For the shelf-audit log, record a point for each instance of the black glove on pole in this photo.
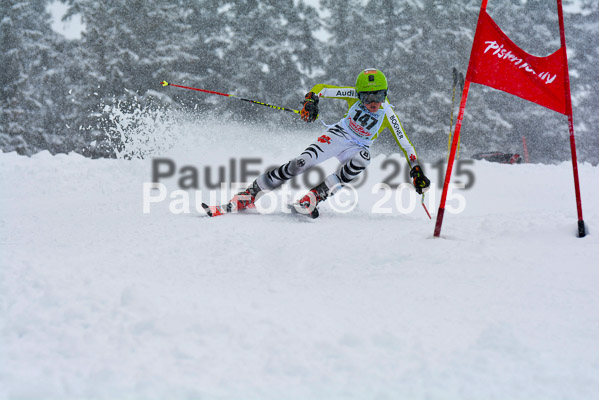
(309, 112)
(421, 182)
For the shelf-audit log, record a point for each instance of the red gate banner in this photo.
(497, 62)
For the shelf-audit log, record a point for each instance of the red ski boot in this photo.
(307, 204)
(241, 201)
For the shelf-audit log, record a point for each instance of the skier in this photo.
(348, 140)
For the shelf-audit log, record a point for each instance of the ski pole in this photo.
(165, 83)
(455, 83)
(425, 209)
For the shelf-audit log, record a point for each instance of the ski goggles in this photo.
(372, 97)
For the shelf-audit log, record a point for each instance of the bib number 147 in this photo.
(364, 119)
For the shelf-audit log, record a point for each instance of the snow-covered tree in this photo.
(582, 29)
(28, 57)
(269, 51)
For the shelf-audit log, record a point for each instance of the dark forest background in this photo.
(53, 91)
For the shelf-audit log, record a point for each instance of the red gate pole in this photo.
(562, 34)
(454, 145)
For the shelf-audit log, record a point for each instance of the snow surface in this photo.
(99, 300)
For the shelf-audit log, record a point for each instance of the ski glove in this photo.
(421, 182)
(309, 112)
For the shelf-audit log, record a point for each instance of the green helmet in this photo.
(371, 80)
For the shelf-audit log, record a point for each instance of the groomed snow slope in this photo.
(99, 300)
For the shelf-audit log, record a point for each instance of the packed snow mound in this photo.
(101, 300)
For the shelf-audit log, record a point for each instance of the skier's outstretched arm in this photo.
(309, 112)
(420, 181)
(347, 93)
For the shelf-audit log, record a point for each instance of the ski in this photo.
(215, 211)
(294, 209)
(461, 82)
(458, 80)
